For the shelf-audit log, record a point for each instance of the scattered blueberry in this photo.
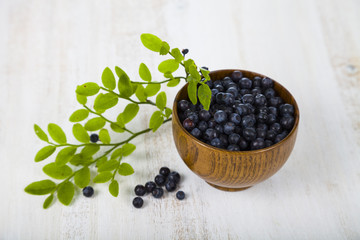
(88, 191)
(170, 186)
(160, 180)
(164, 171)
(138, 202)
(157, 192)
(185, 51)
(180, 195)
(150, 186)
(94, 137)
(174, 176)
(140, 190)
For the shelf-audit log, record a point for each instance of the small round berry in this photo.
(249, 133)
(276, 127)
(229, 128)
(204, 115)
(211, 123)
(273, 110)
(150, 186)
(268, 143)
(138, 202)
(269, 93)
(257, 82)
(250, 107)
(287, 122)
(275, 101)
(248, 121)
(188, 124)
(188, 112)
(234, 138)
(220, 116)
(174, 176)
(157, 192)
(262, 117)
(170, 186)
(196, 132)
(286, 109)
(215, 142)
(280, 137)
(261, 133)
(233, 147)
(256, 91)
(267, 83)
(271, 134)
(236, 76)
(140, 190)
(271, 118)
(185, 51)
(262, 126)
(233, 91)
(160, 180)
(194, 117)
(245, 83)
(180, 195)
(235, 118)
(202, 126)
(243, 144)
(241, 109)
(244, 91)
(183, 105)
(94, 137)
(260, 100)
(219, 128)
(88, 191)
(164, 171)
(248, 98)
(258, 143)
(224, 140)
(210, 133)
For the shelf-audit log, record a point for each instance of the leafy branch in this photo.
(73, 160)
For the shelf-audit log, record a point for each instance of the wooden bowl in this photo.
(232, 170)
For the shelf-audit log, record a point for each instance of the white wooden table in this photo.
(47, 48)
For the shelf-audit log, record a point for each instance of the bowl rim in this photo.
(297, 119)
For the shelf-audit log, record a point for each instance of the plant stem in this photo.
(174, 57)
(167, 80)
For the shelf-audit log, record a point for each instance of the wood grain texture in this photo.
(238, 170)
(312, 47)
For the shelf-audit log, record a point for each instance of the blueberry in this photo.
(160, 180)
(245, 83)
(202, 126)
(94, 137)
(260, 100)
(271, 134)
(262, 126)
(226, 82)
(238, 130)
(224, 98)
(220, 116)
(206, 68)
(287, 121)
(204, 115)
(250, 107)
(233, 147)
(262, 110)
(258, 143)
(180, 195)
(140, 190)
(164, 171)
(232, 85)
(236, 76)
(196, 132)
(280, 137)
(248, 121)
(228, 110)
(276, 127)
(219, 128)
(183, 105)
(150, 186)
(194, 117)
(233, 91)
(269, 93)
(214, 91)
(249, 133)
(273, 110)
(188, 112)
(174, 176)
(262, 118)
(271, 118)
(256, 91)
(217, 83)
(261, 133)
(210, 84)
(223, 140)
(209, 134)
(157, 192)
(211, 123)
(267, 83)
(257, 82)
(234, 138)
(170, 186)
(275, 101)
(235, 118)
(181, 116)
(88, 191)
(268, 143)
(244, 91)
(286, 109)
(248, 98)
(138, 202)
(241, 109)
(229, 128)
(219, 87)
(188, 124)
(185, 51)
(215, 142)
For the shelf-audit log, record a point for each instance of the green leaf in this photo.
(124, 84)
(156, 120)
(129, 113)
(57, 172)
(65, 155)
(48, 201)
(108, 165)
(173, 83)
(101, 161)
(40, 133)
(81, 99)
(140, 93)
(88, 89)
(116, 128)
(192, 92)
(188, 63)
(103, 177)
(44, 153)
(151, 42)
(80, 159)
(205, 73)
(168, 66)
(204, 93)
(164, 48)
(41, 187)
(105, 101)
(125, 169)
(65, 193)
(56, 133)
(104, 136)
(114, 188)
(144, 72)
(108, 79)
(95, 124)
(82, 177)
(117, 153)
(128, 149)
(194, 73)
(79, 115)
(152, 89)
(177, 55)
(168, 75)
(80, 133)
(90, 150)
(161, 100)
(168, 112)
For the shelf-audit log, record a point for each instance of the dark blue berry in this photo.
(170, 186)
(273, 110)
(202, 126)
(226, 81)
(271, 134)
(261, 133)
(236, 76)
(138, 202)
(267, 83)
(262, 126)
(196, 132)
(257, 82)
(150, 186)
(185, 51)
(243, 144)
(250, 107)
(258, 143)
(287, 122)
(275, 101)
(241, 109)
(204, 115)
(256, 91)
(174, 176)
(233, 91)
(220, 88)
(286, 109)
(276, 127)
(140, 190)
(280, 137)
(229, 128)
(219, 128)
(244, 91)
(209, 134)
(262, 117)
(88, 191)
(194, 117)
(211, 123)
(94, 137)
(233, 147)
(248, 98)
(210, 84)
(215, 142)
(188, 124)
(188, 112)
(183, 105)
(238, 130)
(248, 121)
(271, 118)
(234, 138)
(269, 93)
(157, 192)
(224, 140)
(160, 180)
(260, 100)
(249, 133)
(268, 143)
(206, 68)
(235, 118)
(245, 83)
(220, 116)
(180, 195)
(164, 171)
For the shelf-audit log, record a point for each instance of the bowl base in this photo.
(228, 189)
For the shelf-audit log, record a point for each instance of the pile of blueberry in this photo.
(165, 178)
(245, 114)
